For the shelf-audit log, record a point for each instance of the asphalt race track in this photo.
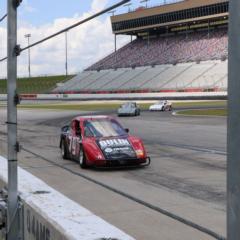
(187, 176)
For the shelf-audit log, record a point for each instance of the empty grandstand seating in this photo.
(187, 61)
(179, 48)
(179, 77)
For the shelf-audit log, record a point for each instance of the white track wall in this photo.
(51, 215)
(125, 96)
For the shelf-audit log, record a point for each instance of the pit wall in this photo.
(125, 96)
(49, 215)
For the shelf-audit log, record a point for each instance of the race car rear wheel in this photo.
(63, 150)
(82, 159)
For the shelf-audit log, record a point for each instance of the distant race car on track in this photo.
(129, 109)
(101, 141)
(161, 106)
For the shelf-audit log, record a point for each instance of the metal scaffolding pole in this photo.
(233, 141)
(29, 54)
(66, 53)
(12, 201)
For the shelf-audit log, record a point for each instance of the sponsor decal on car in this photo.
(108, 150)
(113, 143)
(117, 148)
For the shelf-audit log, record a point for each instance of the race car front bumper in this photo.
(122, 163)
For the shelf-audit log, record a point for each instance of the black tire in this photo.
(170, 108)
(82, 159)
(64, 150)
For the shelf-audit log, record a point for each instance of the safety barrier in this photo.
(126, 96)
(49, 215)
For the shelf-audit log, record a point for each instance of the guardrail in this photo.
(47, 214)
(125, 96)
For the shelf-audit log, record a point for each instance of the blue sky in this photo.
(87, 43)
(43, 11)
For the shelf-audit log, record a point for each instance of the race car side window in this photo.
(76, 130)
(87, 130)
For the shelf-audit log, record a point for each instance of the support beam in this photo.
(66, 53)
(12, 202)
(233, 141)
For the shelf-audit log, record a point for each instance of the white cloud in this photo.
(27, 7)
(86, 44)
(98, 5)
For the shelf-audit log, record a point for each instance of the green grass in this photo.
(80, 107)
(205, 112)
(201, 104)
(35, 84)
(111, 106)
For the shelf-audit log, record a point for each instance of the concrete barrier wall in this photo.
(125, 96)
(50, 215)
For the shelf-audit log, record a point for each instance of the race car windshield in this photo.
(128, 105)
(103, 128)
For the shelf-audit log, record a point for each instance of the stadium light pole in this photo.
(128, 6)
(66, 52)
(112, 12)
(29, 57)
(145, 1)
(233, 136)
(1, 19)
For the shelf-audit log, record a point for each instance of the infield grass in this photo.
(204, 112)
(88, 106)
(35, 84)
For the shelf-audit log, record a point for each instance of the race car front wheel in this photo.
(82, 159)
(63, 150)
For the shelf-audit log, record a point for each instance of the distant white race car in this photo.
(129, 109)
(161, 106)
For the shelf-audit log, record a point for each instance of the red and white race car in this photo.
(101, 141)
(161, 106)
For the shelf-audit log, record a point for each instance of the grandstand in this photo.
(181, 46)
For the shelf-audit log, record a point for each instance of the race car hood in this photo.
(157, 105)
(116, 148)
(126, 110)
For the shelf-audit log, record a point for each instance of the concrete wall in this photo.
(50, 215)
(126, 96)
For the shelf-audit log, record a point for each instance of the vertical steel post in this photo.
(29, 56)
(115, 42)
(12, 212)
(66, 53)
(1, 38)
(115, 49)
(233, 141)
